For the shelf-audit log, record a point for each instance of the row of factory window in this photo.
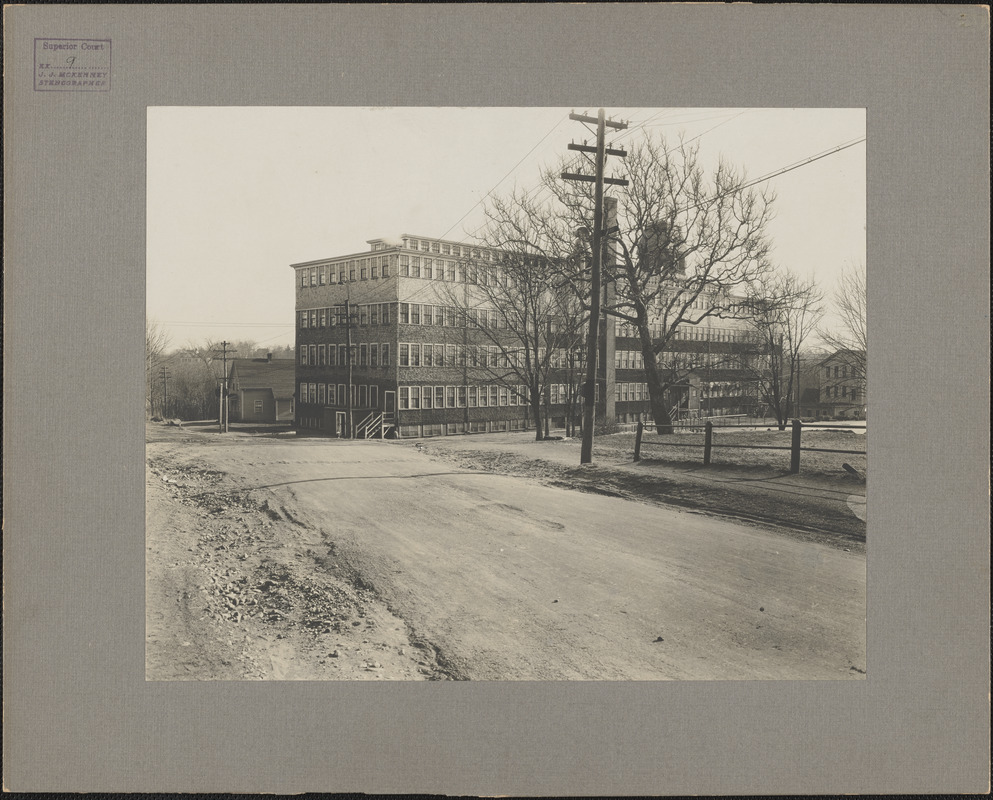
(449, 249)
(723, 389)
(330, 394)
(415, 354)
(453, 428)
(626, 392)
(406, 313)
(492, 396)
(364, 355)
(381, 266)
(449, 316)
(629, 359)
(843, 373)
(689, 333)
(362, 315)
(354, 269)
(635, 359)
(439, 269)
(489, 396)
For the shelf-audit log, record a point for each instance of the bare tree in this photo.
(156, 343)
(686, 248)
(849, 339)
(518, 303)
(194, 383)
(784, 309)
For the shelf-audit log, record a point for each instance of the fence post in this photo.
(795, 448)
(707, 442)
(637, 442)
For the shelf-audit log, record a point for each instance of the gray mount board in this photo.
(78, 713)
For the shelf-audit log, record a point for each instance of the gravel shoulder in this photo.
(237, 589)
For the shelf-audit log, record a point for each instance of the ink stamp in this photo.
(72, 65)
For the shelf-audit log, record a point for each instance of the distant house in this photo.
(262, 389)
(842, 385)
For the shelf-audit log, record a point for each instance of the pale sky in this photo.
(236, 195)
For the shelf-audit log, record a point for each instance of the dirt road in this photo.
(372, 560)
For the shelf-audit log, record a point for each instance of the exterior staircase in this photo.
(377, 425)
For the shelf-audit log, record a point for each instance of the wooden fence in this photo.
(794, 449)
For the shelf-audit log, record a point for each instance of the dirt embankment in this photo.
(233, 593)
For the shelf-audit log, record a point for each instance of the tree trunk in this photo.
(536, 411)
(656, 386)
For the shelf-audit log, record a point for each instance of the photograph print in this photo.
(506, 394)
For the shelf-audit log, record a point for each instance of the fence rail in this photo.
(794, 449)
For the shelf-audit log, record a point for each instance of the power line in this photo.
(529, 152)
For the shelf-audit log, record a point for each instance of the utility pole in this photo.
(224, 391)
(592, 344)
(165, 390)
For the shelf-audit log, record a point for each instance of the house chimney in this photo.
(268, 357)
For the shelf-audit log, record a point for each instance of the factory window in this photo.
(404, 397)
(374, 355)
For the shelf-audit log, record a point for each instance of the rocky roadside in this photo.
(234, 591)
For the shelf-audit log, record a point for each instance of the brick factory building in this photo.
(423, 362)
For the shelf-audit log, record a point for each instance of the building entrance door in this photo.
(339, 423)
(390, 402)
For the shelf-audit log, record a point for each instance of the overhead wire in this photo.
(536, 190)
